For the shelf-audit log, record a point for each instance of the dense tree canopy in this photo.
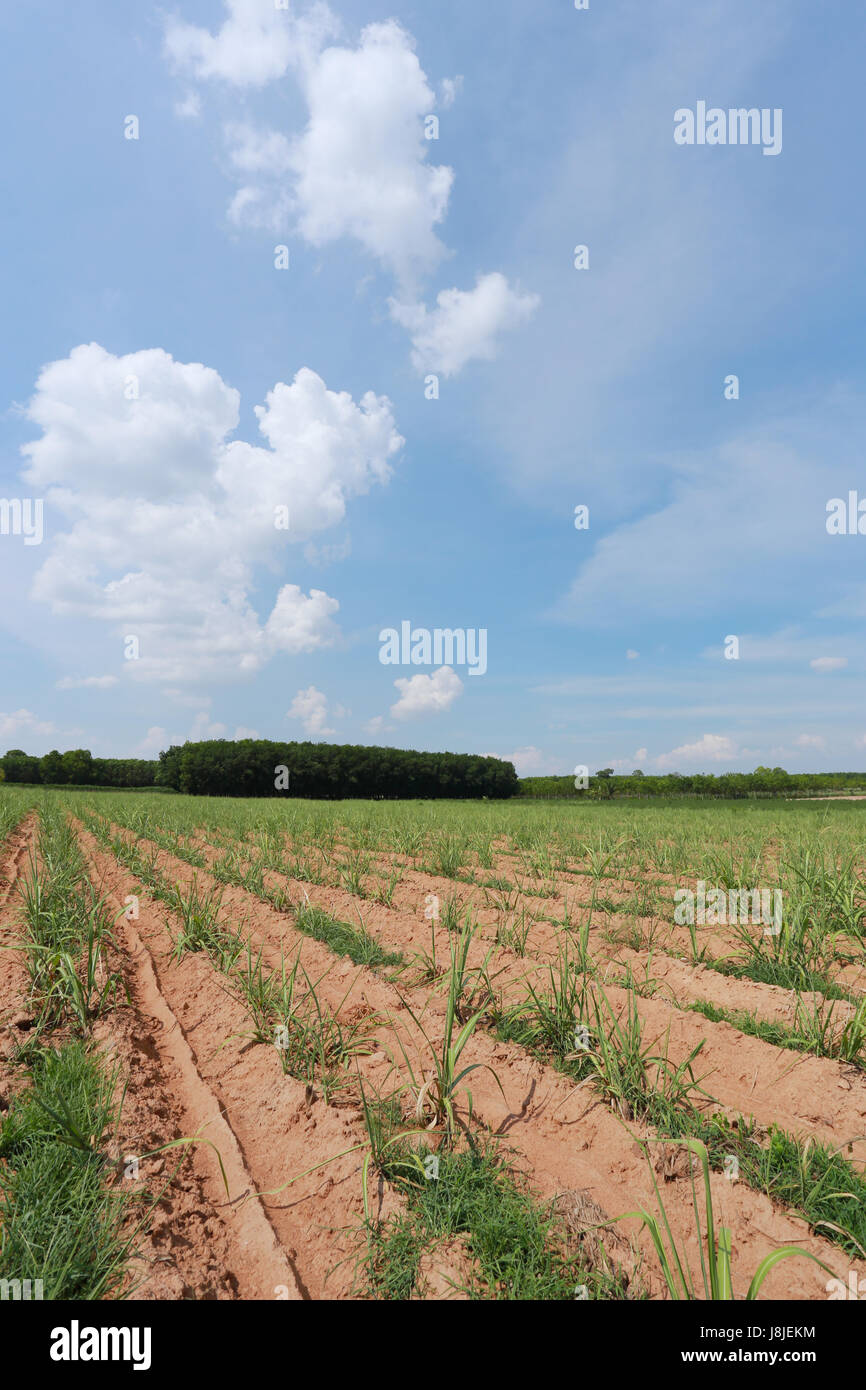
(258, 767)
(77, 767)
(18, 766)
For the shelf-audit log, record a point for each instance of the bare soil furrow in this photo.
(264, 1123)
(559, 1131)
(744, 1074)
(15, 1015)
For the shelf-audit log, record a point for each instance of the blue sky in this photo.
(169, 386)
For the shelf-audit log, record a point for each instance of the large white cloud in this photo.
(322, 449)
(142, 421)
(167, 518)
(360, 167)
(423, 695)
(465, 325)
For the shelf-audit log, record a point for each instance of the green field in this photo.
(484, 938)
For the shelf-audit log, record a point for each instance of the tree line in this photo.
(77, 767)
(259, 767)
(252, 767)
(764, 781)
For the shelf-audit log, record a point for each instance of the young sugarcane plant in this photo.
(714, 1245)
(473, 986)
(437, 1094)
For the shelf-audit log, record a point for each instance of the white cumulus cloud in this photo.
(465, 325)
(712, 748)
(360, 167)
(167, 518)
(311, 707)
(422, 695)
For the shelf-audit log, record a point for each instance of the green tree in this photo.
(20, 766)
(51, 767)
(78, 766)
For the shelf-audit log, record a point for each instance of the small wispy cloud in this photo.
(829, 663)
(87, 682)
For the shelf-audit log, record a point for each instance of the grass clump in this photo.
(343, 939)
(510, 1243)
(66, 930)
(809, 1178)
(315, 1044)
(831, 1029)
(61, 1220)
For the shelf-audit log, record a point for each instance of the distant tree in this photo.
(51, 768)
(602, 785)
(78, 766)
(168, 767)
(20, 766)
